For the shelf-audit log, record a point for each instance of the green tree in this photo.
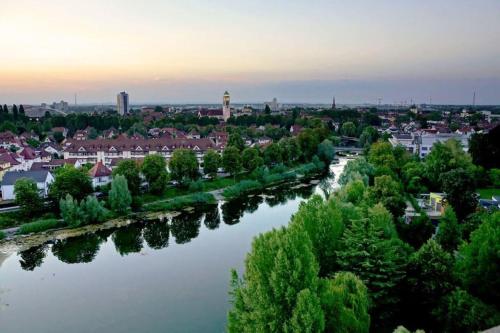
(382, 157)
(308, 143)
(290, 150)
(368, 136)
(251, 159)
(445, 157)
(449, 235)
(235, 140)
(353, 191)
(388, 191)
(477, 262)
(272, 154)
(21, 110)
(348, 129)
(382, 219)
(430, 271)
(413, 176)
(71, 212)
(484, 148)
(417, 231)
(231, 160)
(130, 169)
(72, 181)
(358, 168)
(462, 312)
(93, 210)
(307, 317)
(323, 223)
(459, 185)
(119, 197)
(154, 169)
(184, 166)
(28, 197)
(267, 110)
(15, 112)
(345, 302)
(376, 261)
(326, 151)
(279, 267)
(58, 136)
(211, 163)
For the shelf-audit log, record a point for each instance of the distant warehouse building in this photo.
(42, 178)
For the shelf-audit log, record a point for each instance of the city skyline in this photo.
(190, 52)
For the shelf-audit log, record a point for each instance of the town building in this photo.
(273, 105)
(102, 150)
(226, 106)
(42, 178)
(100, 174)
(420, 143)
(122, 103)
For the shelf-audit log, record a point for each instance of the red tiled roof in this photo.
(10, 158)
(99, 170)
(28, 153)
(127, 144)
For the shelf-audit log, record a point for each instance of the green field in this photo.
(487, 193)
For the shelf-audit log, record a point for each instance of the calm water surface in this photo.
(154, 276)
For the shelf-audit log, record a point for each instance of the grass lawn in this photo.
(487, 193)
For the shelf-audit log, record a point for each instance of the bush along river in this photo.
(164, 275)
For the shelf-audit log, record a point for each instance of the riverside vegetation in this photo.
(71, 194)
(351, 263)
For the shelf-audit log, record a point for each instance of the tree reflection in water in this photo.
(128, 239)
(156, 234)
(212, 218)
(186, 226)
(78, 249)
(32, 258)
(233, 210)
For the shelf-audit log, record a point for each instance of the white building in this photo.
(273, 105)
(42, 178)
(122, 103)
(421, 143)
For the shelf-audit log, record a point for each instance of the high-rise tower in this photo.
(226, 106)
(122, 103)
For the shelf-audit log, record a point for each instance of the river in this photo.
(150, 276)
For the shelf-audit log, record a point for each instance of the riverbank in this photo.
(219, 191)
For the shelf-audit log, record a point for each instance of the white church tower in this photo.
(226, 106)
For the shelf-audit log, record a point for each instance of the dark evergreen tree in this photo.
(15, 112)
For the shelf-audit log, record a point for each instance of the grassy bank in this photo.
(39, 226)
(195, 199)
(487, 193)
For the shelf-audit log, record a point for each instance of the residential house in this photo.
(100, 174)
(42, 178)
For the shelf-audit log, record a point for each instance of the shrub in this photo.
(195, 199)
(196, 186)
(2, 235)
(119, 198)
(71, 211)
(38, 226)
(241, 188)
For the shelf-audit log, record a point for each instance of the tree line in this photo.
(352, 263)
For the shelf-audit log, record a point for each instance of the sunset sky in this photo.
(297, 51)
